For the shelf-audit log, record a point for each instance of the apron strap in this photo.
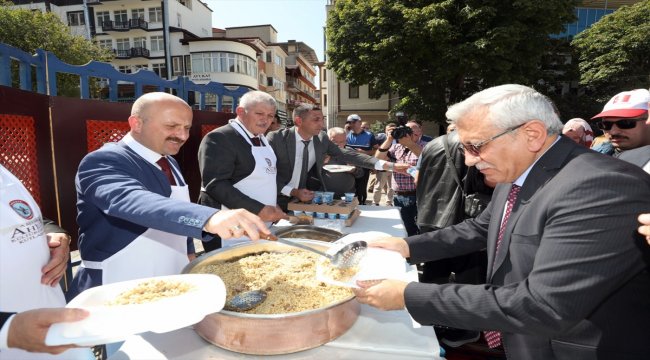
(95, 265)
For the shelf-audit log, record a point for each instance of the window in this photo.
(210, 102)
(157, 43)
(160, 70)
(269, 56)
(120, 16)
(324, 100)
(138, 67)
(122, 44)
(188, 64)
(106, 44)
(76, 18)
(124, 69)
(179, 22)
(177, 66)
(353, 92)
(227, 104)
(324, 75)
(137, 14)
(102, 17)
(155, 14)
(278, 60)
(140, 42)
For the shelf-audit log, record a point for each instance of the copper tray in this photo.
(271, 334)
(309, 232)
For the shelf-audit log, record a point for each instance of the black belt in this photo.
(405, 193)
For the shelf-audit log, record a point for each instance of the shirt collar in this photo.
(298, 137)
(238, 122)
(148, 154)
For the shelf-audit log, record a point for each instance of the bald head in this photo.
(161, 122)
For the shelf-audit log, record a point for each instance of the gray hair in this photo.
(255, 97)
(507, 106)
(302, 109)
(331, 132)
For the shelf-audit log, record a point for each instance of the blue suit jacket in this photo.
(119, 196)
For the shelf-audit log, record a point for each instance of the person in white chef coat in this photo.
(238, 166)
(33, 258)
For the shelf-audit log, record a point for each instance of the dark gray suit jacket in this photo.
(225, 158)
(639, 156)
(573, 282)
(283, 142)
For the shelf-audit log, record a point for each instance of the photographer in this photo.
(403, 145)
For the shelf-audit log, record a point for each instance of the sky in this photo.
(300, 20)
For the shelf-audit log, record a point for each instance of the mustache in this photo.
(175, 139)
(617, 137)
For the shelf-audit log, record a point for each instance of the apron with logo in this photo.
(23, 252)
(153, 253)
(260, 184)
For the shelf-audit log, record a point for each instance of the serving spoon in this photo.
(346, 257)
(245, 301)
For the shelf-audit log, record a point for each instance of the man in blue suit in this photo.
(134, 214)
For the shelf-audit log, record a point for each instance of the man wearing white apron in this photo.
(24, 252)
(134, 215)
(238, 167)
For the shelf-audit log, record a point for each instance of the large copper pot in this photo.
(271, 334)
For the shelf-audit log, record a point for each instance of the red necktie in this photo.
(256, 141)
(166, 169)
(493, 338)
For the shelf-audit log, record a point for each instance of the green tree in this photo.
(433, 53)
(30, 30)
(614, 53)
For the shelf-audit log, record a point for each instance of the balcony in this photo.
(125, 25)
(131, 53)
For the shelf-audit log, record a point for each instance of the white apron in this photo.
(153, 253)
(23, 252)
(260, 184)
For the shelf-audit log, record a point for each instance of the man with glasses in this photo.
(624, 122)
(565, 278)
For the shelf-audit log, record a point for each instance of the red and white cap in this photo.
(628, 104)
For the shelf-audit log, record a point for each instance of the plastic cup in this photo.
(349, 197)
(332, 216)
(318, 197)
(320, 215)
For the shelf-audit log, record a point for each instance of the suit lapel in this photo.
(543, 171)
(291, 148)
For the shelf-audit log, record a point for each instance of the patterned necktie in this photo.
(166, 169)
(305, 163)
(493, 338)
(256, 141)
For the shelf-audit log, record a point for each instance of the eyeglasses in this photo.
(621, 124)
(475, 149)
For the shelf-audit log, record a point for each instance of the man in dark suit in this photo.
(289, 147)
(567, 270)
(237, 164)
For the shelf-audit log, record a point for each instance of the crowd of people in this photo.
(523, 234)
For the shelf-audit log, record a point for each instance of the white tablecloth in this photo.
(376, 334)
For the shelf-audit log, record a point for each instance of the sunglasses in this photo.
(475, 149)
(621, 124)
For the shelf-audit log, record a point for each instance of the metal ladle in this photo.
(246, 300)
(346, 257)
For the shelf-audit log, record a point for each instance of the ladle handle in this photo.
(296, 244)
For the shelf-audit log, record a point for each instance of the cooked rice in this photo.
(151, 290)
(288, 278)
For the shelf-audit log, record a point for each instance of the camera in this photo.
(401, 131)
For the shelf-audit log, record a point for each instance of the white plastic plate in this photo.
(112, 323)
(338, 168)
(377, 264)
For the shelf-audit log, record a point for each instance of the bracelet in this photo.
(382, 150)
